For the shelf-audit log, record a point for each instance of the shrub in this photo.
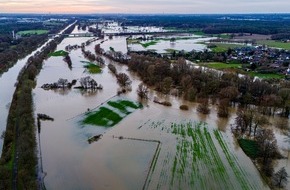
(183, 107)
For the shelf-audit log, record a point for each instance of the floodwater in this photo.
(70, 162)
(7, 84)
(186, 43)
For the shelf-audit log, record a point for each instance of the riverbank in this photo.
(18, 160)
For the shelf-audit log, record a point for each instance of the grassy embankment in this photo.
(275, 44)
(18, 163)
(200, 160)
(19, 143)
(32, 32)
(112, 114)
(92, 67)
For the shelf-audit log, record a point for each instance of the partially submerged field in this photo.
(223, 47)
(92, 68)
(201, 159)
(275, 44)
(111, 113)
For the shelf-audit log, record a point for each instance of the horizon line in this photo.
(114, 13)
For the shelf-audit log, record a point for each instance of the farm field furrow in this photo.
(201, 159)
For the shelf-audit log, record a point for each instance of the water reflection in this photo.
(72, 163)
(222, 123)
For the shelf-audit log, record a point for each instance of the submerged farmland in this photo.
(132, 151)
(201, 159)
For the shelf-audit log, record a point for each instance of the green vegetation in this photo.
(223, 47)
(147, 44)
(92, 67)
(32, 32)
(250, 147)
(20, 142)
(132, 41)
(198, 160)
(199, 33)
(103, 117)
(220, 66)
(231, 160)
(107, 116)
(58, 53)
(267, 75)
(276, 44)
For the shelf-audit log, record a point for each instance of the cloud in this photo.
(145, 6)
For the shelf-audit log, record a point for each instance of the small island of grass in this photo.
(58, 53)
(92, 67)
(112, 113)
(147, 44)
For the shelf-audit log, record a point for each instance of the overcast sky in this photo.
(145, 6)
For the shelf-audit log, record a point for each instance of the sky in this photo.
(145, 6)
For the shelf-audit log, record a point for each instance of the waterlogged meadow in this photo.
(201, 159)
(111, 113)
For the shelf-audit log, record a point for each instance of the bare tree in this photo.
(142, 91)
(223, 108)
(62, 82)
(88, 83)
(259, 120)
(123, 79)
(203, 107)
(284, 93)
(112, 68)
(267, 144)
(166, 85)
(280, 178)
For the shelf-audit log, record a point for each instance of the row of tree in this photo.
(19, 143)
(196, 83)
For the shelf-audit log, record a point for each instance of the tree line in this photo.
(198, 83)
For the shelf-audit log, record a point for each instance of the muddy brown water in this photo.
(70, 162)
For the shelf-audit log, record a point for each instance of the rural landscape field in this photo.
(125, 95)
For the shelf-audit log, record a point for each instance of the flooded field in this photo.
(163, 44)
(145, 149)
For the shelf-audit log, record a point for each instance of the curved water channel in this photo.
(70, 162)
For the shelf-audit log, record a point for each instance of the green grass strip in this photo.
(219, 65)
(58, 53)
(234, 165)
(93, 68)
(119, 106)
(250, 147)
(28, 32)
(276, 44)
(145, 45)
(102, 117)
